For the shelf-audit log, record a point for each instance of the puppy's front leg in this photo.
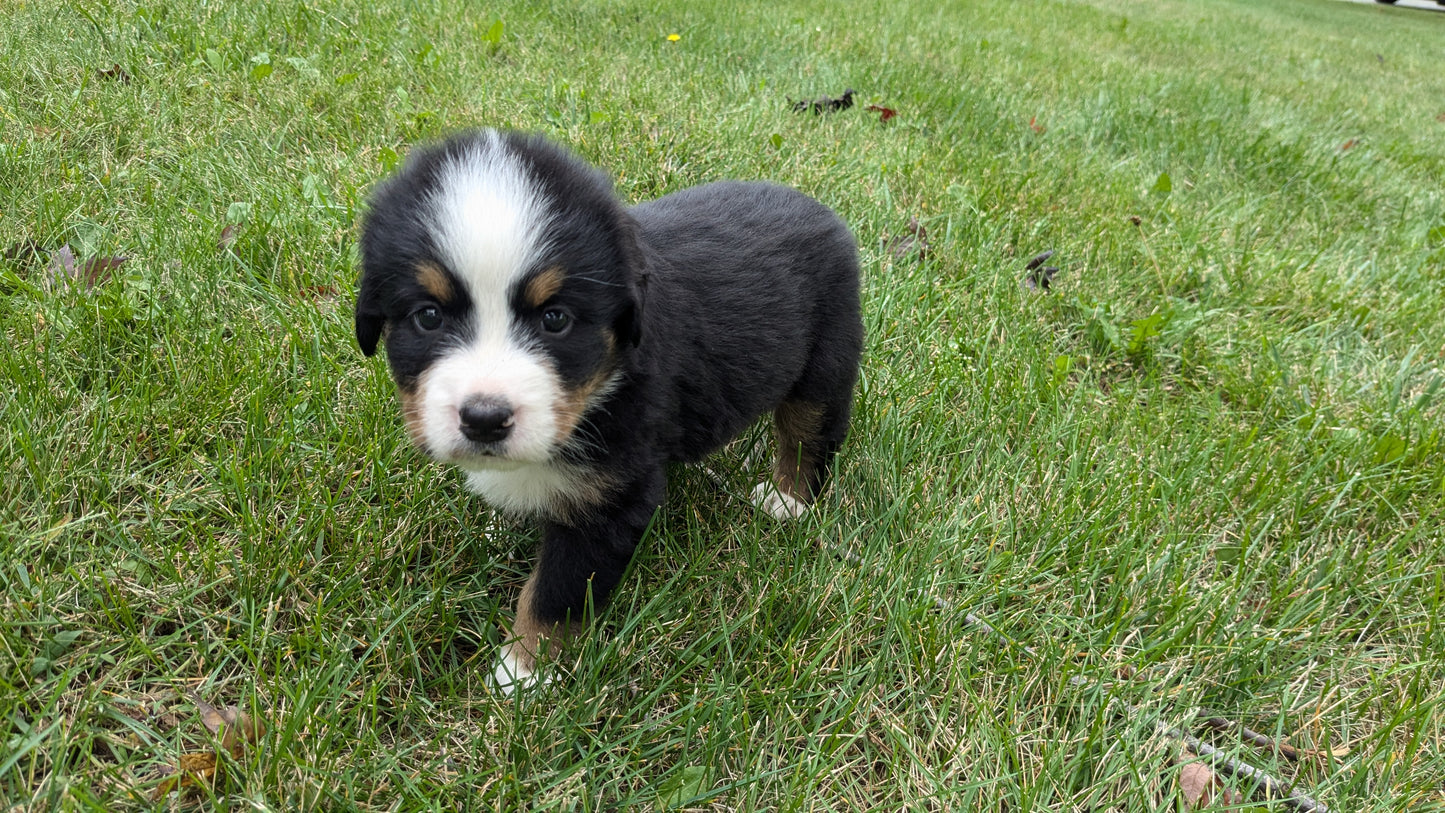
(575, 562)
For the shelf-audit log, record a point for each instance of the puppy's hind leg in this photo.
(808, 436)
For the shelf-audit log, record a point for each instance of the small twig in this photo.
(1273, 787)
(1284, 749)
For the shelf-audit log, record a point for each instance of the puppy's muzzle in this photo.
(485, 420)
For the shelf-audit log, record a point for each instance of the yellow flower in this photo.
(673, 37)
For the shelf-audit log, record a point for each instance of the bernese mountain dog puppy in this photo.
(562, 349)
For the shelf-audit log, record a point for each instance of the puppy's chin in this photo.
(530, 448)
(473, 463)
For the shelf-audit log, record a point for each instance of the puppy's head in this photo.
(502, 274)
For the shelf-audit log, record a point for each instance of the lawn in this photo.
(1201, 475)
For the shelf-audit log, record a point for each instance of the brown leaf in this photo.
(1350, 144)
(195, 770)
(1199, 784)
(97, 269)
(115, 72)
(1035, 126)
(1342, 751)
(1196, 782)
(884, 113)
(1039, 276)
(236, 728)
(64, 267)
(228, 236)
(915, 242)
(61, 268)
(320, 292)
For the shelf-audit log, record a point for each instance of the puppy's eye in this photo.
(427, 319)
(555, 320)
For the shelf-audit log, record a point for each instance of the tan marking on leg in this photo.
(530, 639)
(435, 281)
(798, 423)
(543, 286)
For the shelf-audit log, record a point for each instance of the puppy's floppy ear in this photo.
(629, 322)
(369, 318)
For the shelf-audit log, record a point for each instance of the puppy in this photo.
(562, 349)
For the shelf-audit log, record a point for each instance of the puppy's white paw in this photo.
(778, 505)
(511, 674)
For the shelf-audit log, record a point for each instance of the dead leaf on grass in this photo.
(319, 293)
(1200, 785)
(116, 73)
(1039, 277)
(915, 242)
(884, 113)
(197, 769)
(194, 770)
(65, 267)
(235, 727)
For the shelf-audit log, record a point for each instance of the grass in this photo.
(1204, 473)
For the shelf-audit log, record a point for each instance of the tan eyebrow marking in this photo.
(435, 281)
(544, 286)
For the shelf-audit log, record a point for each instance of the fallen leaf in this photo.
(1035, 126)
(65, 267)
(1350, 145)
(915, 242)
(62, 266)
(825, 104)
(1039, 277)
(320, 292)
(885, 113)
(116, 73)
(1199, 784)
(194, 770)
(228, 236)
(97, 269)
(236, 728)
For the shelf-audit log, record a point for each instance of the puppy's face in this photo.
(500, 271)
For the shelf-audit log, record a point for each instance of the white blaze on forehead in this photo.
(490, 222)
(490, 225)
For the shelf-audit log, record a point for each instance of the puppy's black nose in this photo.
(486, 420)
